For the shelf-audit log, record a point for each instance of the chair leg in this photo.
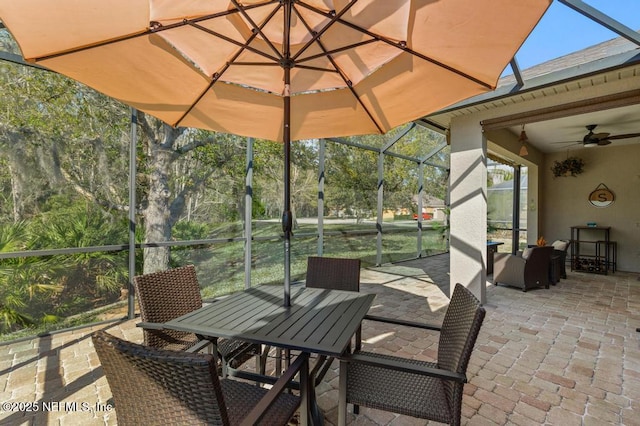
(259, 364)
(225, 368)
(278, 362)
(263, 359)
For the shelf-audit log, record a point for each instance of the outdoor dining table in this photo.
(319, 321)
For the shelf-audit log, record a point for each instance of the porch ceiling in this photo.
(614, 113)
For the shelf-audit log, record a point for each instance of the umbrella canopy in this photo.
(277, 69)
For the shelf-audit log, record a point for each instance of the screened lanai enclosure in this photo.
(94, 193)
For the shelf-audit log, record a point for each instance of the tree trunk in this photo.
(20, 172)
(157, 216)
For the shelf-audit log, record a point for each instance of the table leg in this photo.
(305, 395)
(342, 394)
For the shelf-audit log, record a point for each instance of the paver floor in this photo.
(569, 355)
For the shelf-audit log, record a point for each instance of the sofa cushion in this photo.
(527, 252)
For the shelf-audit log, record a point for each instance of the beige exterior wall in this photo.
(565, 199)
(554, 204)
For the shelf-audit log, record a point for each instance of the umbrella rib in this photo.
(160, 27)
(217, 75)
(272, 64)
(258, 29)
(310, 68)
(402, 45)
(335, 17)
(154, 27)
(348, 82)
(338, 50)
(261, 64)
(232, 41)
(93, 46)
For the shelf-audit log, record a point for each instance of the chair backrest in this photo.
(166, 295)
(458, 335)
(539, 258)
(333, 273)
(155, 386)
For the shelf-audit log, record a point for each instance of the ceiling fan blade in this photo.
(625, 136)
(568, 147)
(600, 135)
(554, 143)
(604, 142)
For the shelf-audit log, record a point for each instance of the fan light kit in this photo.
(523, 139)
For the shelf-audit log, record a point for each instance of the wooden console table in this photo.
(594, 253)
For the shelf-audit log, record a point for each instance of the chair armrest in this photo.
(508, 261)
(396, 321)
(399, 364)
(270, 397)
(199, 346)
(158, 326)
(151, 325)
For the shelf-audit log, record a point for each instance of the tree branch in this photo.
(88, 195)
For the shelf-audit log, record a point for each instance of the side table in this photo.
(492, 247)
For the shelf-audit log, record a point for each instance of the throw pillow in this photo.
(560, 245)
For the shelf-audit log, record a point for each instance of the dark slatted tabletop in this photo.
(318, 320)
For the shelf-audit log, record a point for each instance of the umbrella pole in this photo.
(287, 220)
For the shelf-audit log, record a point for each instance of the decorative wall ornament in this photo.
(601, 196)
(571, 166)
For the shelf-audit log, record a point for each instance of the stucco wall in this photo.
(564, 200)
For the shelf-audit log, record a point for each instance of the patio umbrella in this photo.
(277, 69)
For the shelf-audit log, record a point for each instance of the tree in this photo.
(60, 136)
(352, 176)
(351, 180)
(269, 167)
(57, 135)
(198, 157)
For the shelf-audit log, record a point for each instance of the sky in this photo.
(562, 30)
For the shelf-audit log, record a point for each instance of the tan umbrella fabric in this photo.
(374, 65)
(278, 69)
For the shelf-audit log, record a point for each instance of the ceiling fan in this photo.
(600, 139)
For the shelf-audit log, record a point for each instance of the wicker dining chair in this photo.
(428, 390)
(166, 295)
(152, 386)
(333, 273)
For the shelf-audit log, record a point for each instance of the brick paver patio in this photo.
(565, 356)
